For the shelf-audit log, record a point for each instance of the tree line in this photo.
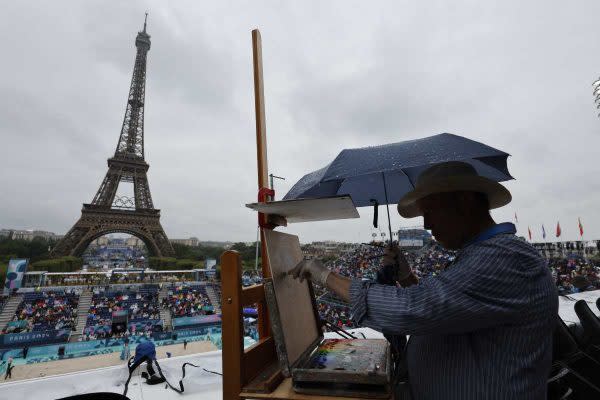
(201, 253)
(186, 257)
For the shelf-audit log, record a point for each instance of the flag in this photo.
(516, 219)
(580, 227)
(558, 231)
(529, 233)
(543, 232)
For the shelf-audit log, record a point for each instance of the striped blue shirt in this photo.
(481, 329)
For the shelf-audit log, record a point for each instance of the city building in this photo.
(28, 234)
(192, 242)
(134, 242)
(5, 233)
(414, 237)
(327, 248)
(565, 249)
(101, 241)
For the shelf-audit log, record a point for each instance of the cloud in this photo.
(337, 75)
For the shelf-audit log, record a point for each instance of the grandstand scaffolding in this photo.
(8, 312)
(214, 298)
(85, 300)
(165, 313)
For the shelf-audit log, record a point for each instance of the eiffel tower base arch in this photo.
(97, 221)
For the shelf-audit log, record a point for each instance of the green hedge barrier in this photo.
(62, 264)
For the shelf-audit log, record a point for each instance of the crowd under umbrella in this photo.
(378, 175)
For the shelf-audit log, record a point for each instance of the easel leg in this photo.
(231, 328)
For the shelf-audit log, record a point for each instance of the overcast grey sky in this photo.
(515, 75)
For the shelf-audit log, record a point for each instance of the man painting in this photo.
(482, 328)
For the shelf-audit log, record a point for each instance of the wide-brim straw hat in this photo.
(453, 176)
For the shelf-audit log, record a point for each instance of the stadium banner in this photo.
(197, 320)
(97, 329)
(14, 353)
(410, 243)
(14, 274)
(33, 338)
(162, 336)
(145, 325)
(200, 331)
(43, 351)
(86, 346)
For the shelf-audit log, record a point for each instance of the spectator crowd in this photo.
(141, 306)
(104, 278)
(334, 311)
(575, 274)
(45, 310)
(188, 301)
(572, 274)
(57, 309)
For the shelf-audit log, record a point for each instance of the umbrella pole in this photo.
(387, 207)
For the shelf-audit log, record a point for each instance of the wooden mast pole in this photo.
(247, 372)
(259, 109)
(262, 164)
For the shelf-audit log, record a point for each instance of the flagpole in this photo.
(544, 234)
(580, 227)
(581, 231)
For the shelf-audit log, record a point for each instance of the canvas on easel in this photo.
(339, 367)
(296, 320)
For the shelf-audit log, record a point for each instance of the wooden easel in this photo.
(253, 372)
(255, 369)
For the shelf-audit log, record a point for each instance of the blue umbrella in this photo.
(383, 174)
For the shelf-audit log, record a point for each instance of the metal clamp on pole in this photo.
(264, 195)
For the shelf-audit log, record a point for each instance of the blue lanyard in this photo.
(498, 229)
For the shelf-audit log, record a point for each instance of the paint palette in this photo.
(345, 367)
(352, 355)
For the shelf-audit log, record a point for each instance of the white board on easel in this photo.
(305, 210)
(294, 301)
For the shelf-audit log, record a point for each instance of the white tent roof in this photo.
(198, 384)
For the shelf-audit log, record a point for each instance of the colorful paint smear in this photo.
(356, 355)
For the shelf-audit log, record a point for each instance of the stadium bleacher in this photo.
(189, 301)
(574, 274)
(140, 304)
(45, 310)
(335, 311)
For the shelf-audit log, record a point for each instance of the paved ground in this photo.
(104, 360)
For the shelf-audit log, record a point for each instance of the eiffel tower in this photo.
(108, 212)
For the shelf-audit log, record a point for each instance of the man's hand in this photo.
(393, 257)
(312, 269)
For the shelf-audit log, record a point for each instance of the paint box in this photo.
(334, 367)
